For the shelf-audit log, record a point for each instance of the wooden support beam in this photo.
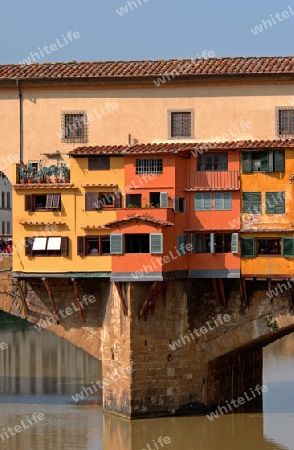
(151, 299)
(165, 294)
(216, 291)
(48, 287)
(22, 297)
(222, 290)
(76, 291)
(121, 294)
(243, 281)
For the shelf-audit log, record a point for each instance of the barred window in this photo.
(285, 121)
(181, 124)
(74, 127)
(148, 166)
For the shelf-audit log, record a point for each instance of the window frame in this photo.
(253, 208)
(202, 160)
(104, 163)
(204, 195)
(279, 110)
(150, 166)
(221, 196)
(177, 111)
(272, 209)
(64, 244)
(30, 202)
(74, 139)
(82, 247)
(268, 161)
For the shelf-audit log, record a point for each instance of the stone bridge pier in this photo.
(166, 348)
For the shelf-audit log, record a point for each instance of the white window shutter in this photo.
(218, 201)
(227, 201)
(235, 243)
(116, 244)
(156, 243)
(163, 200)
(207, 201)
(176, 205)
(212, 243)
(198, 202)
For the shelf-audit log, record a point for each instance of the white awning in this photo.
(39, 243)
(54, 243)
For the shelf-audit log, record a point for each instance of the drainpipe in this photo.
(20, 122)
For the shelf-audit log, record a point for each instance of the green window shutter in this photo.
(182, 244)
(288, 247)
(193, 243)
(116, 244)
(247, 162)
(256, 203)
(212, 242)
(156, 243)
(246, 202)
(271, 161)
(176, 205)
(264, 162)
(280, 207)
(163, 200)
(247, 248)
(234, 243)
(275, 202)
(279, 160)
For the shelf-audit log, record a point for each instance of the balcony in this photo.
(218, 181)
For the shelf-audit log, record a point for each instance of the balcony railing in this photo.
(226, 180)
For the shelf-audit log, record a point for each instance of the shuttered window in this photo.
(223, 201)
(46, 246)
(99, 163)
(251, 202)
(275, 202)
(247, 248)
(156, 243)
(285, 121)
(116, 244)
(163, 200)
(92, 201)
(43, 202)
(81, 245)
(288, 247)
(182, 244)
(266, 161)
(179, 204)
(235, 243)
(117, 199)
(28, 203)
(52, 201)
(202, 201)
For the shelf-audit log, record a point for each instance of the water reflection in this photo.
(39, 372)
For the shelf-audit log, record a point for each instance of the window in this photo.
(202, 202)
(223, 201)
(136, 243)
(208, 162)
(158, 199)
(93, 245)
(133, 201)
(3, 199)
(74, 127)
(182, 244)
(148, 166)
(98, 200)
(49, 202)
(180, 204)
(46, 246)
(214, 243)
(8, 203)
(275, 203)
(247, 247)
(288, 247)
(8, 228)
(268, 161)
(180, 124)
(99, 163)
(269, 246)
(251, 202)
(285, 121)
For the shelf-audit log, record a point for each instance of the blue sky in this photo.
(156, 29)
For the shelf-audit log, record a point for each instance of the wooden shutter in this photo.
(117, 199)
(49, 201)
(218, 201)
(270, 161)
(256, 203)
(28, 246)
(247, 162)
(127, 200)
(198, 202)
(163, 200)
(156, 243)
(288, 247)
(275, 203)
(247, 248)
(264, 162)
(182, 244)
(176, 205)
(64, 246)
(207, 201)
(212, 241)
(234, 243)
(280, 206)
(193, 243)
(279, 160)
(81, 245)
(56, 201)
(116, 244)
(28, 203)
(247, 202)
(184, 205)
(98, 163)
(92, 201)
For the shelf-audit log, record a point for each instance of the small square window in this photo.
(74, 127)
(181, 124)
(285, 121)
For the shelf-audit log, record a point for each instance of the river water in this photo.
(41, 374)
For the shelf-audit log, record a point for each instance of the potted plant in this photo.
(54, 173)
(23, 174)
(47, 174)
(64, 172)
(30, 172)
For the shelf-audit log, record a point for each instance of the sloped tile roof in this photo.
(122, 69)
(179, 148)
(141, 218)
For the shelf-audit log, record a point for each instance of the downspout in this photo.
(20, 122)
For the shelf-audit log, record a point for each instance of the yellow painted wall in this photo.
(113, 113)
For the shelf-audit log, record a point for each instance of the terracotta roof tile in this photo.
(110, 69)
(141, 218)
(179, 148)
